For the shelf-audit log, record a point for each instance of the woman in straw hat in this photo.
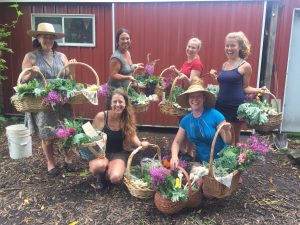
(49, 62)
(200, 125)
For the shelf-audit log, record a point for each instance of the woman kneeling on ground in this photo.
(200, 125)
(119, 124)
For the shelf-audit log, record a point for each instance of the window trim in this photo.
(62, 17)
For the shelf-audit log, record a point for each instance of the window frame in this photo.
(62, 42)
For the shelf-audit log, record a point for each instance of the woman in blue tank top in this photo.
(120, 126)
(234, 79)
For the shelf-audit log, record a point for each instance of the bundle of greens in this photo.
(136, 98)
(32, 88)
(255, 112)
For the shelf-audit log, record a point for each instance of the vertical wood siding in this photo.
(162, 29)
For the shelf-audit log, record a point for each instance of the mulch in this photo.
(269, 193)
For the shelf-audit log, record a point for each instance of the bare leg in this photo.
(49, 153)
(116, 169)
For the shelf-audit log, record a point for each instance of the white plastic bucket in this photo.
(19, 141)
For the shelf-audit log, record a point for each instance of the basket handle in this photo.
(212, 149)
(83, 64)
(187, 177)
(30, 69)
(171, 90)
(165, 70)
(129, 161)
(276, 101)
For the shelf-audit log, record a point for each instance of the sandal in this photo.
(101, 182)
(69, 167)
(54, 172)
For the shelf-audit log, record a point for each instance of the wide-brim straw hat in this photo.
(209, 98)
(46, 29)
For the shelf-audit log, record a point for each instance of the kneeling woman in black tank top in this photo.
(119, 124)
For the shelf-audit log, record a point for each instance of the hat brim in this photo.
(183, 99)
(34, 33)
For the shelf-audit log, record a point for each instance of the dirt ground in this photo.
(269, 193)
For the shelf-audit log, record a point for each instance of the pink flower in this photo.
(62, 133)
(242, 158)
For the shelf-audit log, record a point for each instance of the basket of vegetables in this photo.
(169, 105)
(85, 95)
(211, 185)
(260, 115)
(137, 178)
(29, 96)
(138, 100)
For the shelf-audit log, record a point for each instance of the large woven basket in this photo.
(79, 97)
(210, 185)
(138, 108)
(167, 106)
(29, 103)
(166, 206)
(274, 121)
(138, 188)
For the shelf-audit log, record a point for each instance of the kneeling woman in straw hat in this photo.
(49, 62)
(200, 125)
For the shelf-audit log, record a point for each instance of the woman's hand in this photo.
(174, 162)
(264, 90)
(72, 61)
(145, 144)
(35, 69)
(173, 67)
(131, 78)
(138, 66)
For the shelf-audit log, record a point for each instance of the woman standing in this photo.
(192, 67)
(120, 126)
(49, 62)
(120, 65)
(234, 79)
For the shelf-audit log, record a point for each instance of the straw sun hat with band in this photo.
(45, 29)
(196, 86)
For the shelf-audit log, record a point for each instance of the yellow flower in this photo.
(177, 183)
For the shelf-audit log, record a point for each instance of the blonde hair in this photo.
(243, 42)
(197, 41)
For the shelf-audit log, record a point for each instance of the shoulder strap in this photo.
(241, 62)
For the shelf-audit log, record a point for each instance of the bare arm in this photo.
(114, 68)
(176, 147)
(225, 132)
(70, 69)
(136, 142)
(246, 71)
(98, 122)
(28, 62)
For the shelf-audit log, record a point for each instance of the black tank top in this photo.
(114, 141)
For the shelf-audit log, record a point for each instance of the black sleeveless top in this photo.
(114, 143)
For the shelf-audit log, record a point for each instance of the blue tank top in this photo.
(231, 87)
(114, 141)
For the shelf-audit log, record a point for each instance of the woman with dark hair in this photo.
(49, 62)
(120, 65)
(120, 126)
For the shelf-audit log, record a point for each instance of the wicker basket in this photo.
(210, 185)
(274, 121)
(78, 97)
(195, 198)
(140, 107)
(29, 103)
(166, 206)
(167, 107)
(136, 187)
